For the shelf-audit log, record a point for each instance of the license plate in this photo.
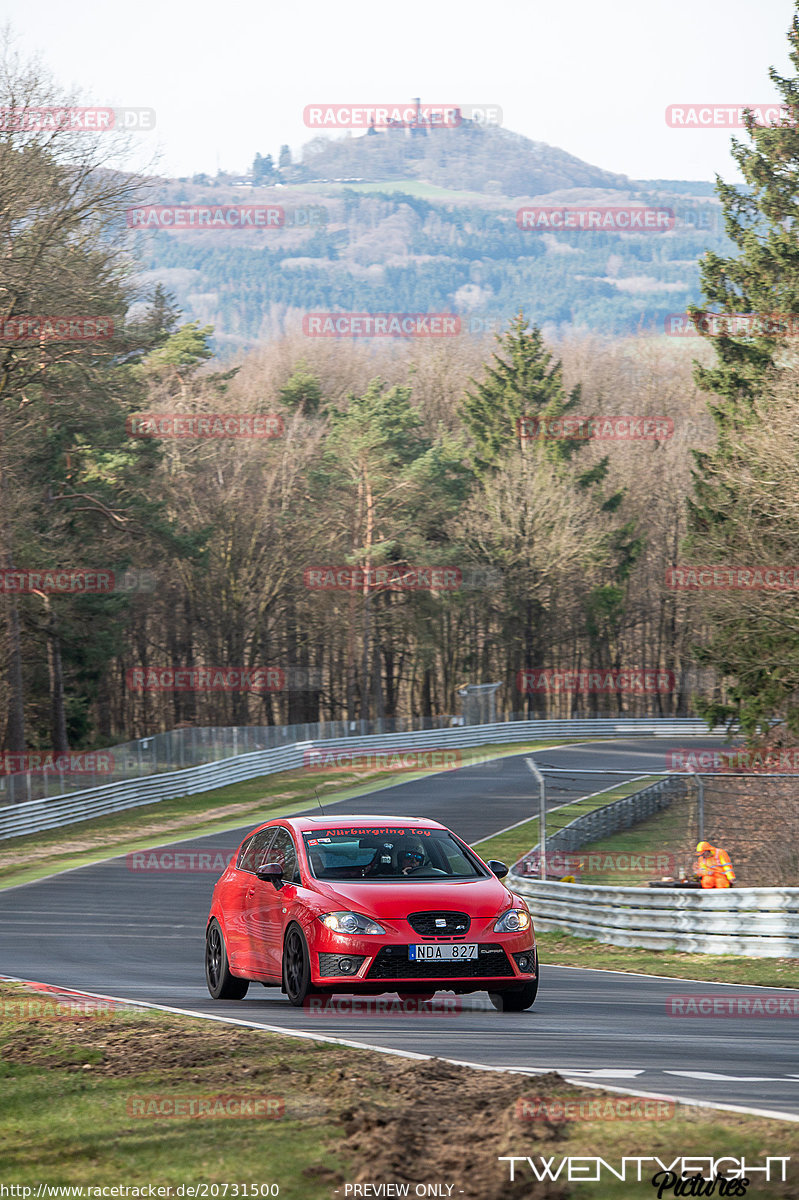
(441, 953)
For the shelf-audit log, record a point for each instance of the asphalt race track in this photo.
(138, 935)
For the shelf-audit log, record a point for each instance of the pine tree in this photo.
(523, 382)
(762, 276)
(752, 642)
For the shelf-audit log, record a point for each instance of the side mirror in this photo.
(499, 868)
(271, 873)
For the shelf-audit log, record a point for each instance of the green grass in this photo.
(78, 1096)
(70, 1092)
(35, 856)
(510, 845)
(563, 950)
(666, 831)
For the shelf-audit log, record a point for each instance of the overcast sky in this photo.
(227, 79)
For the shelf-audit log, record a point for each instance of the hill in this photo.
(388, 223)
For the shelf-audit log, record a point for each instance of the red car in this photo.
(367, 904)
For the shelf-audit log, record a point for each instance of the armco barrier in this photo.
(32, 816)
(761, 922)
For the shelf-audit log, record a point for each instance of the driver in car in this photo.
(411, 858)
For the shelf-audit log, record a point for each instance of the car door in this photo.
(238, 915)
(267, 907)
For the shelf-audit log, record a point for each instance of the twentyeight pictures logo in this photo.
(630, 218)
(381, 324)
(633, 681)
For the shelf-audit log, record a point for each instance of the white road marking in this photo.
(316, 1037)
(733, 1078)
(609, 1073)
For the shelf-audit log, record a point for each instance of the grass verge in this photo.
(103, 1100)
(563, 950)
(510, 845)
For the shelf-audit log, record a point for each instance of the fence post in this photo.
(542, 814)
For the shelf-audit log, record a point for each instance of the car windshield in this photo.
(396, 854)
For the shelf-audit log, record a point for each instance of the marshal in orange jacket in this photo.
(713, 866)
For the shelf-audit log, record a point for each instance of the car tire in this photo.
(519, 998)
(221, 984)
(296, 967)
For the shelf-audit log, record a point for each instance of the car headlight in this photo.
(350, 922)
(515, 920)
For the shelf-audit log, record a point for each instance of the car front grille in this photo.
(392, 962)
(427, 924)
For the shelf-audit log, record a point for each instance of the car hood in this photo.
(477, 897)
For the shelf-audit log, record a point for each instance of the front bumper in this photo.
(355, 963)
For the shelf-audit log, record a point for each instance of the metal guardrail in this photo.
(761, 922)
(179, 749)
(602, 822)
(192, 746)
(33, 816)
(758, 921)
